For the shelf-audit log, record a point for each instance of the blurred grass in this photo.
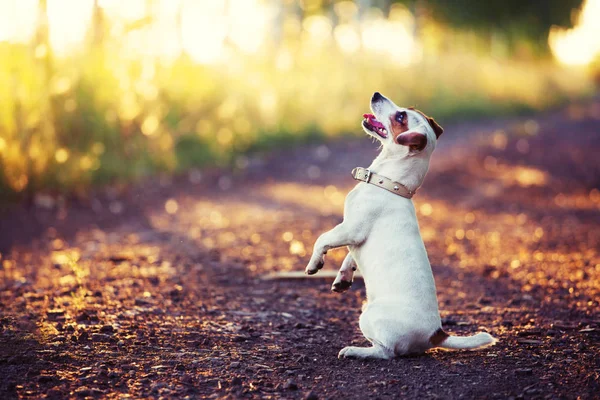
(93, 118)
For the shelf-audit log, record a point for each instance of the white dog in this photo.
(381, 231)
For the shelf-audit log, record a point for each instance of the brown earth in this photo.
(158, 290)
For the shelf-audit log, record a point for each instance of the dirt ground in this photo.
(166, 289)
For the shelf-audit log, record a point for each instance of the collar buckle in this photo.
(365, 175)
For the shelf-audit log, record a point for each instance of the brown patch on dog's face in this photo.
(437, 129)
(399, 124)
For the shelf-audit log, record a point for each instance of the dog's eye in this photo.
(400, 116)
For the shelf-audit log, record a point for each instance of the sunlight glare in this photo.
(248, 22)
(318, 29)
(68, 23)
(392, 37)
(204, 29)
(129, 10)
(17, 22)
(166, 37)
(347, 38)
(581, 44)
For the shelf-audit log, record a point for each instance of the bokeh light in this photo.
(581, 44)
(110, 90)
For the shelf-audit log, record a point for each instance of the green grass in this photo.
(97, 118)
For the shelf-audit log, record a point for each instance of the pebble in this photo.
(107, 329)
(46, 378)
(236, 381)
(158, 385)
(529, 341)
(302, 359)
(100, 337)
(524, 371)
(55, 312)
(83, 391)
(290, 385)
(311, 396)
(240, 338)
(142, 302)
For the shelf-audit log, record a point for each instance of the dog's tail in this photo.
(474, 342)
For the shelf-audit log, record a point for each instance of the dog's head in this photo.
(404, 131)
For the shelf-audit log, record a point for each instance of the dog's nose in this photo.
(376, 96)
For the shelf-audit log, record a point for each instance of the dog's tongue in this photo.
(372, 120)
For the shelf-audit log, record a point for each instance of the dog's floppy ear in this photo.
(437, 129)
(415, 140)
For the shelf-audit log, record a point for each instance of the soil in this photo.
(172, 288)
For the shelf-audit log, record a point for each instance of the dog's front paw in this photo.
(340, 286)
(313, 268)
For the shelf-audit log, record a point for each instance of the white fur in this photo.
(382, 235)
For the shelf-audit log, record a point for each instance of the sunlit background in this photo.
(98, 91)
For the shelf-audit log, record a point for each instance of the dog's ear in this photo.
(437, 129)
(415, 140)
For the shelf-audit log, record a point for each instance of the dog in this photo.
(381, 231)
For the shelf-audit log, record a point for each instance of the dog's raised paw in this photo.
(341, 286)
(321, 264)
(311, 270)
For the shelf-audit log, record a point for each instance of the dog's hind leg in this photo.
(379, 348)
(375, 351)
(345, 275)
(382, 330)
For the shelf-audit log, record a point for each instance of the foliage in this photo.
(515, 20)
(100, 115)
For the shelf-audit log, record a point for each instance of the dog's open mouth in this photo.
(371, 123)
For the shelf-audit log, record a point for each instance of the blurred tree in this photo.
(514, 19)
(42, 131)
(97, 26)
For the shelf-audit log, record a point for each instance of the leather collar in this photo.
(365, 175)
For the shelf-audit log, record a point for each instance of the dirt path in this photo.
(158, 291)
